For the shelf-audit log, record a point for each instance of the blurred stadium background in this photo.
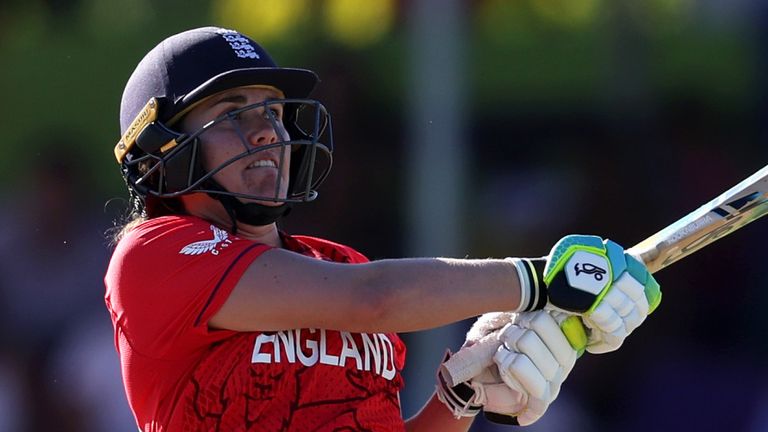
(463, 128)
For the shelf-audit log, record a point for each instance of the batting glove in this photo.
(486, 389)
(532, 360)
(611, 290)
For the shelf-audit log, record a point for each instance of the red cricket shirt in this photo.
(169, 276)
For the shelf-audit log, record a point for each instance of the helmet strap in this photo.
(251, 213)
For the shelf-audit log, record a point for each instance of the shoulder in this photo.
(332, 250)
(170, 231)
(179, 256)
(166, 226)
(163, 241)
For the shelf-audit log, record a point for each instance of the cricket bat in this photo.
(734, 208)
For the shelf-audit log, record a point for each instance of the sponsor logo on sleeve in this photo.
(219, 241)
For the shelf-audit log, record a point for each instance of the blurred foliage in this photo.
(267, 21)
(65, 66)
(543, 53)
(575, 107)
(65, 61)
(358, 24)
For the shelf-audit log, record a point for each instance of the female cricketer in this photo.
(224, 322)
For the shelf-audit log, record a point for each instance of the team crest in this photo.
(219, 241)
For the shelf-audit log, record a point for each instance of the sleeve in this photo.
(168, 277)
(334, 251)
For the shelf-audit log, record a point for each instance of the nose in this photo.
(262, 133)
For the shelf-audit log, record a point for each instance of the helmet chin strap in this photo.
(251, 213)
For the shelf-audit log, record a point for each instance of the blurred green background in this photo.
(571, 116)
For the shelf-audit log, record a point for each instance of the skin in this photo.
(282, 289)
(223, 142)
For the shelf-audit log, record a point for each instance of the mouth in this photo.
(264, 163)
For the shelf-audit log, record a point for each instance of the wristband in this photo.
(533, 290)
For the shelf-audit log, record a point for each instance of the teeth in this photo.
(263, 163)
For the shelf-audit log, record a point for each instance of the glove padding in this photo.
(623, 308)
(495, 395)
(532, 360)
(597, 279)
(486, 389)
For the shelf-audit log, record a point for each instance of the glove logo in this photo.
(587, 271)
(592, 269)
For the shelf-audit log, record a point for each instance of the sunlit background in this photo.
(463, 128)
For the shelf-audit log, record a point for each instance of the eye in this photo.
(274, 111)
(233, 113)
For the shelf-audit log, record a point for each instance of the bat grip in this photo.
(648, 255)
(470, 361)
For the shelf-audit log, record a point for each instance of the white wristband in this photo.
(532, 290)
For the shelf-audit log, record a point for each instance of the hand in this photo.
(611, 290)
(532, 358)
(466, 399)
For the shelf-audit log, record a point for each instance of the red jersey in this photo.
(170, 275)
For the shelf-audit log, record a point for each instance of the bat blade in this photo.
(734, 208)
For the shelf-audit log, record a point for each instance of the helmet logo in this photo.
(147, 115)
(240, 44)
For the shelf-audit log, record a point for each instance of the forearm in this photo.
(420, 293)
(434, 416)
(283, 289)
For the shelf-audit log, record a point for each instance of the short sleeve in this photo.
(168, 277)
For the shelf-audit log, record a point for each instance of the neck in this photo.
(205, 207)
(266, 234)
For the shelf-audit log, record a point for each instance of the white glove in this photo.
(535, 358)
(486, 389)
(532, 360)
(621, 311)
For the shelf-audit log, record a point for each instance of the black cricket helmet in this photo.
(160, 161)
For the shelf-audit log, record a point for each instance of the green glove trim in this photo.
(637, 270)
(599, 298)
(615, 255)
(563, 247)
(553, 267)
(574, 331)
(581, 254)
(652, 293)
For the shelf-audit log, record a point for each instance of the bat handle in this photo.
(648, 255)
(470, 361)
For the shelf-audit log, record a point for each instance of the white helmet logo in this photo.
(240, 44)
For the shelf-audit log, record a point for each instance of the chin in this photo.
(268, 203)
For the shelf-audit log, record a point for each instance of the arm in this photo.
(435, 417)
(283, 289)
